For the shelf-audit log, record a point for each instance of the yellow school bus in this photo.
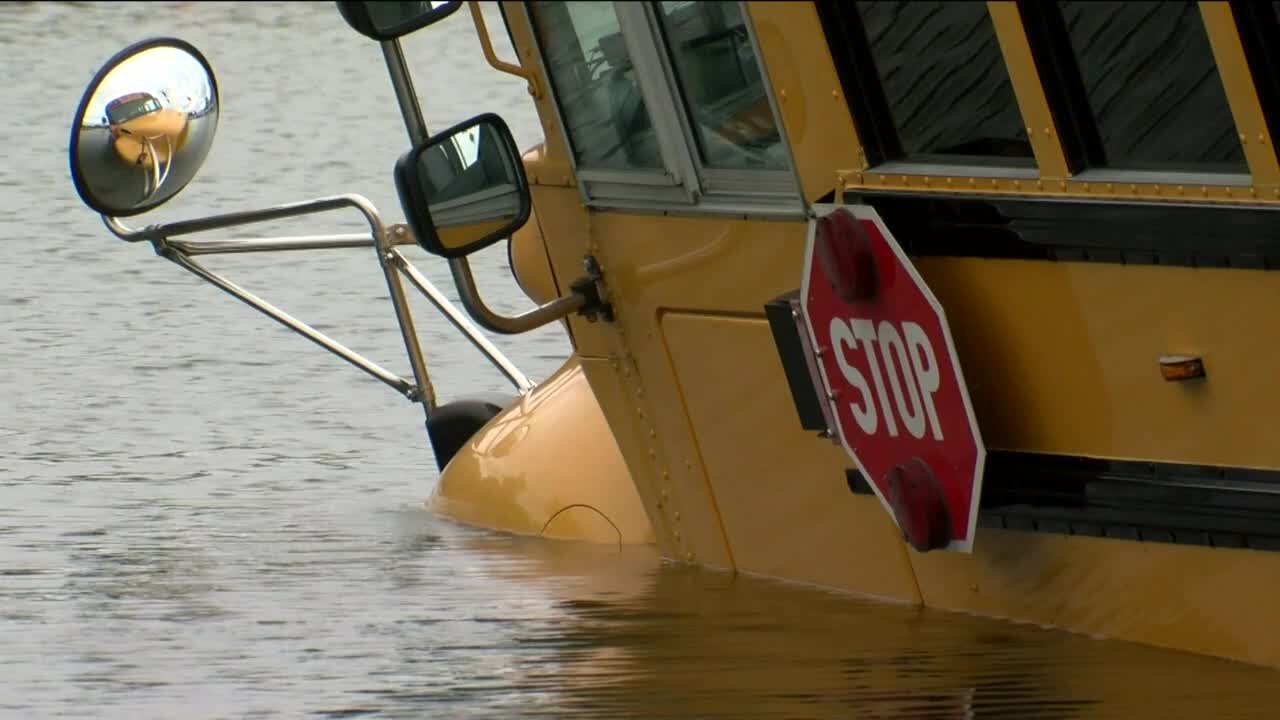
(1088, 189)
(143, 132)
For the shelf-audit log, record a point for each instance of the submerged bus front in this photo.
(1085, 200)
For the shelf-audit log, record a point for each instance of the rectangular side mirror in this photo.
(464, 188)
(387, 20)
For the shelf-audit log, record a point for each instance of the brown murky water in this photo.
(202, 516)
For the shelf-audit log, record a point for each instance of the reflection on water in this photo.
(693, 644)
(406, 616)
(201, 516)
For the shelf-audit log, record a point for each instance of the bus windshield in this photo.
(123, 110)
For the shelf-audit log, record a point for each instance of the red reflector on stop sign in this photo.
(891, 375)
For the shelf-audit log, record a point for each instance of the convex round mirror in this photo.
(144, 127)
(465, 188)
(386, 20)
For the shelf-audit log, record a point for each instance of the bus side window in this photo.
(1152, 86)
(719, 77)
(945, 83)
(604, 112)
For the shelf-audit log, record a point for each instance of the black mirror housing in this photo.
(465, 188)
(386, 20)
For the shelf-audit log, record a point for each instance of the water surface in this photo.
(203, 516)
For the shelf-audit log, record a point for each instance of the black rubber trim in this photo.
(1213, 236)
(1260, 36)
(411, 185)
(1064, 87)
(851, 52)
(357, 16)
(453, 424)
(786, 337)
(1216, 506)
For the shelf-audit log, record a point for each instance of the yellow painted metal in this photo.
(1036, 118)
(1084, 339)
(549, 466)
(546, 169)
(482, 32)
(1175, 190)
(143, 140)
(1060, 357)
(1242, 96)
(671, 483)
(815, 115)
(551, 166)
(1213, 601)
(563, 220)
(767, 472)
(651, 261)
(530, 265)
(1054, 178)
(566, 225)
(1081, 338)
(653, 488)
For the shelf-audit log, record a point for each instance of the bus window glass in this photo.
(595, 85)
(1153, 87)
(720, 78)
(945, 81)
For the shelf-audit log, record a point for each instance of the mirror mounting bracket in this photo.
(587, 298)
(593, 290)
(546, 313)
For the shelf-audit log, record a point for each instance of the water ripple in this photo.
(202, 516)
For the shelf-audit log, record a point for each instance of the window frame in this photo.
(1258, 24)
(687, 185)
(617, 184)
(726, 185)
(1062, 167)
(877, 127)
(1053, 51)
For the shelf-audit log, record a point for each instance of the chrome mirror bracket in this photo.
(546, 313)
(587, 299)
(592, 288)
(164, 238)
(386, 240)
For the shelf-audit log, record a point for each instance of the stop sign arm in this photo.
(795, 351)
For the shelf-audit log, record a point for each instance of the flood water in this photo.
(204, 516)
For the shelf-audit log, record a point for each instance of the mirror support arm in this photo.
(460, 321)
(402, 83)
(586, 300)
(165, 231)
(384, 242)
(401, 385)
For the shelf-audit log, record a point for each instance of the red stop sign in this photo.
(891, 376)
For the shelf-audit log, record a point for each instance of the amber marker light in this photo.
(1181, 367)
